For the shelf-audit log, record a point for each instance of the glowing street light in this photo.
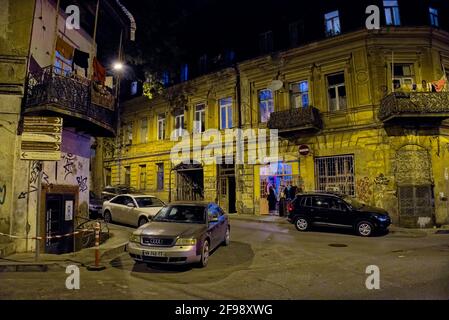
(118, 66)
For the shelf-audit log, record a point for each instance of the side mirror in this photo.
(130, 205)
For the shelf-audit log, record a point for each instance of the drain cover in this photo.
(338, 245)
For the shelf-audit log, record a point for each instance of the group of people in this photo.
(286, 193)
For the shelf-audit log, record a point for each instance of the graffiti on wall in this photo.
(82, 183)
(381, 182)
(2, 194)
(69, 165)
(364, 189)
(36, 169)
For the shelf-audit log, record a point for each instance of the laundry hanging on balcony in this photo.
(99, 71)
(440, 85)
(81, 59)
(65, 49)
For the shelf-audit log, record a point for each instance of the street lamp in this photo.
(118, 66)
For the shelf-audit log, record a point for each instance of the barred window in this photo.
(335, 173)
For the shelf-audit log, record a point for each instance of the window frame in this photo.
(434, 17)
(391, 12)
(144, 130)
(179, 121)
(143, 171)
(226, 103)
(266, 104)
(199, 126)
(302, 94)
(336, 87)
(161, 123)
(128, 175)
(335, 23)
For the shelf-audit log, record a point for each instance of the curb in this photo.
(30, 267)
(393, 229)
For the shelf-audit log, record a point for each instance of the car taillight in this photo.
(290, 207)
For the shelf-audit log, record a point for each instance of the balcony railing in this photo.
(82, 103)
(415, 106)
(296, 120)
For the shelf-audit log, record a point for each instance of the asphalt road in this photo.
(265, 261)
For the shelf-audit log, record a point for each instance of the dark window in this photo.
(337, 92)
(308, 202)
(296, 32)
(119, 200)
(160, 176)
(127, 176)
(335, 174)
(266, 42)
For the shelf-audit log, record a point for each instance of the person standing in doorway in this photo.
(271, 198)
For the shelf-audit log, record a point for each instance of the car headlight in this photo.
(185, 242)
(134, 238)
(382, 218)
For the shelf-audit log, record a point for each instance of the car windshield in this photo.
(353, 202)
(146, 202)
(182, 214)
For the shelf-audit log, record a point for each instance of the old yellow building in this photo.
(355, 114)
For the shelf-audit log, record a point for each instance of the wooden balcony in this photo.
(414, 107)
(82, 103)
(296, 121)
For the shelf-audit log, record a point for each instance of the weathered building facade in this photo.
(53, 82)
(359, 106)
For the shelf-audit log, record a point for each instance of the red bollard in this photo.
(97, 266)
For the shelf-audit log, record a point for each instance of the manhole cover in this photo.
(338, 245)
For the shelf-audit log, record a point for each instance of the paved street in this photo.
(265, 261)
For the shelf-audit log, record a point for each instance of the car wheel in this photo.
(227, 239)
(142, 221)
(364, 229)
(107, 217)
(302, 224)
(204, 254)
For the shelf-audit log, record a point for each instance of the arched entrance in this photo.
(415, 187)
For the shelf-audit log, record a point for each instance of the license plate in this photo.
(154, 254)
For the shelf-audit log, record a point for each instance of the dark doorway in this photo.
(231, 181)
(60, 211)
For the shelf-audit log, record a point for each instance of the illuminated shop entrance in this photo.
(274, 180)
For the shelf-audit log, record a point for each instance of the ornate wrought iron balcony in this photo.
(82, 103)
(297, 120)
(414, 106)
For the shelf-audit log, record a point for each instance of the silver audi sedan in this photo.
(181, 233)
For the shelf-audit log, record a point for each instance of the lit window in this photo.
(179, 125)
(434, 22)
(184, 73)
(403, 76)
(332, 21)
(392, 13)
(161, 127)
(225, 113)
(62, 65)
(200, 118)
(266, 104)
(337, 92)
(299, 94)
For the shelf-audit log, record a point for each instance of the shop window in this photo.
(335, 174)
(266, 104)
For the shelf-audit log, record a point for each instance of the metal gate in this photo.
(335, 173)
(415, 201)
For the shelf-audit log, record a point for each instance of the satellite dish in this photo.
(276, 85)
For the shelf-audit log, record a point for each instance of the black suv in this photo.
(336, 211)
